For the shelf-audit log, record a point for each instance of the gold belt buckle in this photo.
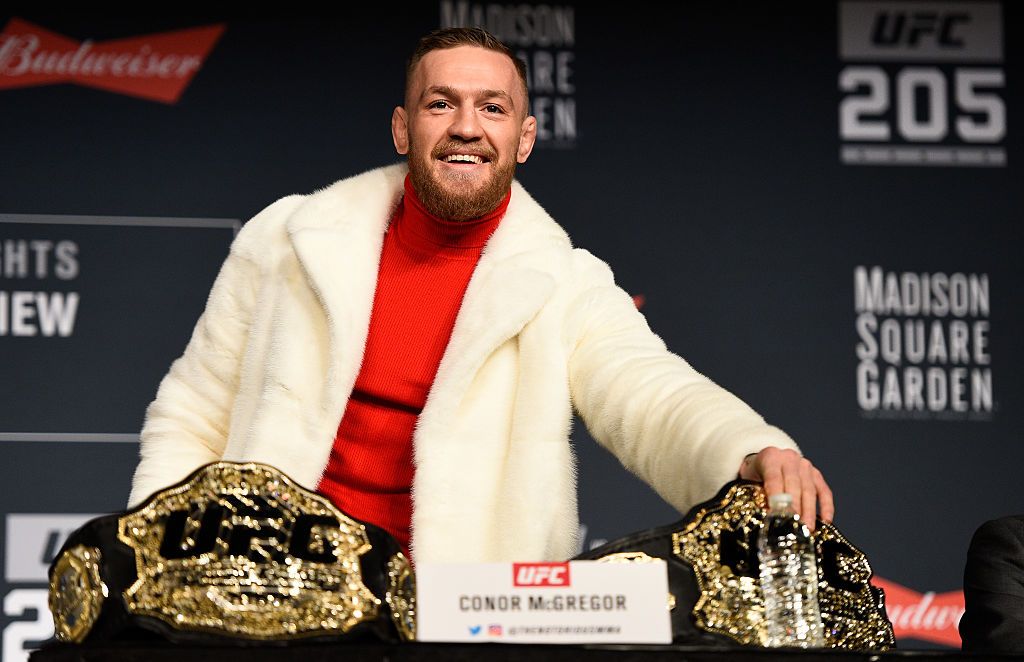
(238, 550)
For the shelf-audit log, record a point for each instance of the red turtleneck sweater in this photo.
(425, 266)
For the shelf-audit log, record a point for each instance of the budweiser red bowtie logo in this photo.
(540, 574)
(156, 67)
(926, 616)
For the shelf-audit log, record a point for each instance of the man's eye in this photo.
(439, 104)
(493, 108)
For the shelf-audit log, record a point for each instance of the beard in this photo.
(456, 197)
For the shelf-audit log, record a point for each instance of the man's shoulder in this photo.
(367, 186)
(530, 220)
(266, 227)
(527, 225)
(367, 194)
(1002, 531)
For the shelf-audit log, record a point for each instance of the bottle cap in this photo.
(780, 500)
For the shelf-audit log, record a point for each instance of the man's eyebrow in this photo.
(452, 93)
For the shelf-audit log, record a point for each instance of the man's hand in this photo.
(787, 471)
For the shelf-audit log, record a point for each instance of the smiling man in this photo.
(413, 341)
(463, 133)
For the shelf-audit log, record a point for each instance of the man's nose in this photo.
(466, 124)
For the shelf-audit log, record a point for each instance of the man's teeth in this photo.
(467, 158)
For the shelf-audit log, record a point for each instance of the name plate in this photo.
(550, 603)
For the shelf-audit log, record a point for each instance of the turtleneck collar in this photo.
(422, 229)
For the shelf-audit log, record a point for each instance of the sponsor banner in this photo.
(32, 542)
(157, 67)
(921, 31)
(544, 37)
(927, 616)
(923, 345)
(92, 311)
(87, 296)
(922, 84)
(570, 602)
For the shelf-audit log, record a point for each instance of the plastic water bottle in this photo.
(789, 578)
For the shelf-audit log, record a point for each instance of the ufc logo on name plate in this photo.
(540, 574)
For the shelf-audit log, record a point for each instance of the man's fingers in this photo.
(807, 494)
(786, 471)
(791, 479)
(772, 477)
(828, 507)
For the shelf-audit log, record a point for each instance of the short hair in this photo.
(444, 38)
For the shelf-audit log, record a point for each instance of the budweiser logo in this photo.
(540, 574)
(926, 616)
(157, 67)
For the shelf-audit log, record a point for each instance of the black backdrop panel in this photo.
(698, 149)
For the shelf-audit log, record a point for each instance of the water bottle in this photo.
(789, 578)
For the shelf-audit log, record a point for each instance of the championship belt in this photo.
(713, 570)
(235, 553)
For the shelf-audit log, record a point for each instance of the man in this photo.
(993, 620)
(444, 415)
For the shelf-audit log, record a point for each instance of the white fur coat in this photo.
(542, 329)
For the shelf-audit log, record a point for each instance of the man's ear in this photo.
(400, 130)
(527, 138)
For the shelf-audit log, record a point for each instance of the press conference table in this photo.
(428, 652)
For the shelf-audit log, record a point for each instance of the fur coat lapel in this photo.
(337, 235)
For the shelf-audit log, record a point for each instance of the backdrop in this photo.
(812, 203)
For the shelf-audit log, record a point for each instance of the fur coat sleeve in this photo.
(187, 424)
(668, 424)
